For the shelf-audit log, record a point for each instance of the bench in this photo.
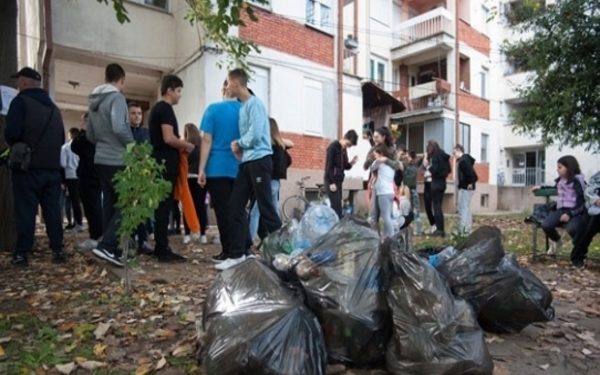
(547, 193)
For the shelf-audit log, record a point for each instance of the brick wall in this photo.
(308, 151)
(473, 38)
(474, 105)
(285, 35)
(483, 172)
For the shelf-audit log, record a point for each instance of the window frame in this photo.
(142, 3)
(377, 65)
(485, 146)
(484, 74)
(317, 20)
(466, 145)
(311, 83)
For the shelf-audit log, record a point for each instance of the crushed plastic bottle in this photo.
(439, 258)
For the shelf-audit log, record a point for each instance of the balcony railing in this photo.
(426, 95)
(528, 176)
(424, 26)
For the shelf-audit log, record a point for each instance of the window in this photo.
(485, 14)
(484, 77)
(413, 137)
(318, 13)
(377, 72)
(259, 83)
(264, 4)
(465, 137)
(484, 147)
(313, 106)
(161, 4)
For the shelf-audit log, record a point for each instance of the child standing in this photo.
(383, 191)
(570, 204)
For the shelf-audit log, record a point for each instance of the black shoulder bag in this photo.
(20, 152)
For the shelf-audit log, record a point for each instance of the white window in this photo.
(266, 4)
(485, 14)
(259, 84)
(465, 137)
(484, 77)
(313, 106)
(377, 71)
(484, 147)
(319, 13)
(161, 4)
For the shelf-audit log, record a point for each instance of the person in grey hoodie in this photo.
(109, 130)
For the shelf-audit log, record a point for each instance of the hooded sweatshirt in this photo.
(108, 126)
(466, 173)
(440, 169)
(592, 194)
(27, 116)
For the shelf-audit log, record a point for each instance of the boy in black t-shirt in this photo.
(166, 144)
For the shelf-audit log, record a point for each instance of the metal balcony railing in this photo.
(528, 176)
(423, 26)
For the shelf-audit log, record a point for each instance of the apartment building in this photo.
(295, 74)
(524, 160)
(436, 58)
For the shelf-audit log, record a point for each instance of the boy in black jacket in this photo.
(335, 165)
(466, 187)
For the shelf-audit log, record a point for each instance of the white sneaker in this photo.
(433, 229)
(151, 236)
(187, 239)
(203, 239)
(88, 244)
(554, 247)
(216, 240)
(231, 262)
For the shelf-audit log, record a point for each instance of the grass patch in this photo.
(187, 364)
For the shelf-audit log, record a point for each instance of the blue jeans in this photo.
(255, 214)
(465, 218)
(552, 221)
(414, 201)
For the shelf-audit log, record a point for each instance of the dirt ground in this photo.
(76, 318)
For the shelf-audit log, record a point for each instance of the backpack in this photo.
(410, 175)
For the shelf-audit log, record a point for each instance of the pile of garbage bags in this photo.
(255, 324)
(330, 291)
(295, 237)
(434, 332)
(505, 296)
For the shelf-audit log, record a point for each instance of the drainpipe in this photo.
(456, 96)
(340, 68)
(47, 59)
(355, 31)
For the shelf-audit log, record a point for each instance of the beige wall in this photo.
(517, 198)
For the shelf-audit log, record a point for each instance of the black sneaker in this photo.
(59, 258)
(170, 257)
(219, 258)
(108, 256)
(438, 233)
(70, 226)
(580, 264)
(19, 261)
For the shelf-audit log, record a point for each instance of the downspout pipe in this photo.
(47, 59)
(340, 67)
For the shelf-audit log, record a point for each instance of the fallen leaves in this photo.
(101, 330)
(67, 368)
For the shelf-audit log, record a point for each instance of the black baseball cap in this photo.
(28, 73)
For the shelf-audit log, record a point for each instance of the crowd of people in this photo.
(234, 160)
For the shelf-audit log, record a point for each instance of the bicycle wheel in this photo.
(294, 207)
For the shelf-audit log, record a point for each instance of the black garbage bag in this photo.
(518, 304)
(254, 324)
(505, 296)
(434, 332)
(342, 277)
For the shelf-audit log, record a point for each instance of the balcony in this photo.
(528, 176)
(432, 94)
(415, 35)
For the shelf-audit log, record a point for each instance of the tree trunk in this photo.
(8, 56)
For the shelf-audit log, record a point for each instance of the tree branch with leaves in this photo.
(562, 95)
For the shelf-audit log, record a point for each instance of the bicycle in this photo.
(295, 206)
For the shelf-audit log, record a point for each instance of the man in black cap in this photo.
(35, 120)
